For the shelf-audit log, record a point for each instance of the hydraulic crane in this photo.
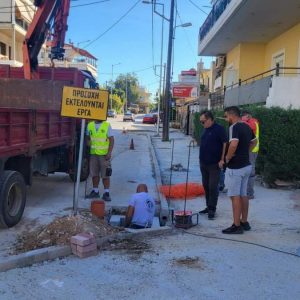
(49, 23)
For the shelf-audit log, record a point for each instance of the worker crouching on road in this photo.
(101, 142)
(141, 209)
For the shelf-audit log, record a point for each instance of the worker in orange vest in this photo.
(254, 125)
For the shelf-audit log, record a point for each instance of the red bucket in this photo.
(98, 208)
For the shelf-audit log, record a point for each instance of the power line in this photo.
(187, 37)
(152, 35)
(198, 7)
(136, 71)
(91, 3)
(114, 24)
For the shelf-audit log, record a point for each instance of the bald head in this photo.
(142, 187)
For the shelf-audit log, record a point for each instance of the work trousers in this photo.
(210, 181)
(251, 180)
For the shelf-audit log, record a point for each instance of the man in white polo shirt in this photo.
(141, 209)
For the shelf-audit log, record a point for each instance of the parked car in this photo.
(111, 113)
(128, 116)
(150, 119)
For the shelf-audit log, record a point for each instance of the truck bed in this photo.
(24, 131)
(30, 110)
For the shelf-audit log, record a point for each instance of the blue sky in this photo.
(130, 41)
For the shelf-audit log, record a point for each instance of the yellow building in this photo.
(251, 38)
(15, 16)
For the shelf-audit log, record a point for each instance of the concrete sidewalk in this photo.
(274, 214)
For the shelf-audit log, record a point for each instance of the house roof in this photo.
(81, 51)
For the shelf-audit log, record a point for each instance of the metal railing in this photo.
(217, 10)
(216, 100)
(277, 71)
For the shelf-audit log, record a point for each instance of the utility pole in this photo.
(167, 94)
(111, 87)
(126, 103)
(160, 73)
(112, 81)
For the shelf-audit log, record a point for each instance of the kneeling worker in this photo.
(141, 209)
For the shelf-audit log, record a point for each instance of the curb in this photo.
(50, 253)
(164, 206)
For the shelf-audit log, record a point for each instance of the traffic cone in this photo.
(131, 147)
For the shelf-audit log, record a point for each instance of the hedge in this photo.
(279, 154)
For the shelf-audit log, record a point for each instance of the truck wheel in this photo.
(12, 198)
(85, 171)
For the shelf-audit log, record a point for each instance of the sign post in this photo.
(75, 201)
(84, 104)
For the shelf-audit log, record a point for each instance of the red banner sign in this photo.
(184, 91)
(189, 73)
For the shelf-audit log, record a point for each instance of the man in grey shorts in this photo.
(241, 140)
(101, 141)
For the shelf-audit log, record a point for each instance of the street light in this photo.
(167, 94)
(161, 57)
(184, 25)
(112, 80)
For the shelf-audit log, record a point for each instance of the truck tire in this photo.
(85, 171)
(12, 198)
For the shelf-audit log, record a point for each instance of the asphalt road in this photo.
(180, 265)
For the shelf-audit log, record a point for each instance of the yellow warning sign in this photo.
(84, 103)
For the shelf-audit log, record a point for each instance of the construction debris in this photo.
(60, 231)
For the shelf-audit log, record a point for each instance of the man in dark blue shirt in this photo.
(212, 151)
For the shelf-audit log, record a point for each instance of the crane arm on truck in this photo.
(48, 12)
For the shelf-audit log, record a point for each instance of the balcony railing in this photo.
(217, 10)
(277, 71)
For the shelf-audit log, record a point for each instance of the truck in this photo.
(34, 137)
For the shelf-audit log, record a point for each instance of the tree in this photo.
(117, 102)
(118, 97)
(132, 83)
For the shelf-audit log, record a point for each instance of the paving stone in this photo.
(83, 239)
(88, 248)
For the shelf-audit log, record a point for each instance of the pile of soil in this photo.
(60, 231)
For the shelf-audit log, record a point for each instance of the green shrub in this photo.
(279, 154)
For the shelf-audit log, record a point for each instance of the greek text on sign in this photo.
(84, 103)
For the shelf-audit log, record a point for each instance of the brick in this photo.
(87, 254)
(88, 248)
(74, 248)
(88, 235)
(83, 239)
